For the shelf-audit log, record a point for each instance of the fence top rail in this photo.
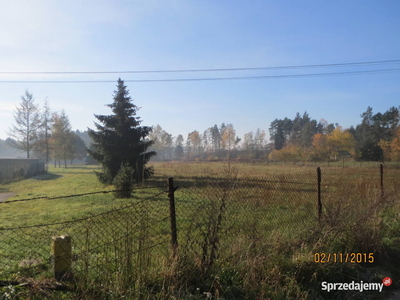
(79, 195)
(125, 206)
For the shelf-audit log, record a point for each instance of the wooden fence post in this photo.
(382, 190)
(61, 254)
(319, 193)
(174, 234)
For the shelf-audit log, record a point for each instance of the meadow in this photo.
(245, 231)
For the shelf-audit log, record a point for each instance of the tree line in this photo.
(49, 136)
(216, 142)
(45, 134)
(376, 138)
(123, 147)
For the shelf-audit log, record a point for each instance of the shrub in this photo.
(123, 181)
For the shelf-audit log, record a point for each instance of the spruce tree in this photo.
(120, 140)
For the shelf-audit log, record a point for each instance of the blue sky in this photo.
(163, 35)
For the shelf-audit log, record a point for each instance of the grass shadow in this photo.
(73, 173)
(80, 167)
(46, 176)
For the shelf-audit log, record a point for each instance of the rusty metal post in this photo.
(319, 193)
(381, 172)
(172, 214)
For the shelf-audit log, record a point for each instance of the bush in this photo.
(123, 182)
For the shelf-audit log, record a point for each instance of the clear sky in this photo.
(163, 35)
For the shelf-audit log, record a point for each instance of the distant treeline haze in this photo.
(376, 138)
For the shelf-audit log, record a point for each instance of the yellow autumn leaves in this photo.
(391, 149)
(324, 147)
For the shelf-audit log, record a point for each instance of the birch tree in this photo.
(248, 142)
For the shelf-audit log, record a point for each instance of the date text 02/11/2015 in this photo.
(354, 258)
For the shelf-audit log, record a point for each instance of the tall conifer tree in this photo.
(120, 140)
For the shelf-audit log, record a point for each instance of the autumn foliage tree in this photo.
(341, 140)
(391, 149)
(229, 140)
(193, 143)
(373, 129)
(395, 146)
(290, 153)
(321, 148)
(61, 138)
(326, 146)
(27, 123)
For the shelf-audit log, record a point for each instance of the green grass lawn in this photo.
(58, 182)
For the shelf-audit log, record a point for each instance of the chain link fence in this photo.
(223, 220)
(108, 250)
(367, 187)
(217, 221)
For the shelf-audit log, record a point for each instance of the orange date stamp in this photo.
(354, 258)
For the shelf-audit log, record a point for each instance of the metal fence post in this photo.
(319, 193)
(174, 234)
(381, 171)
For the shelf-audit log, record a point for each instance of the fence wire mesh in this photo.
(117, 246)
(214, 221)
(222, 219)
(358, 188)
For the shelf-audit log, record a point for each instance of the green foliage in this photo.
(10, 292)
(373, 129)
(89, 159)
(123, 181)
(277, 134)
(297, 132)
(84, 136)
(119, 139)
(78, 147)
(369, 150)
(178, 152)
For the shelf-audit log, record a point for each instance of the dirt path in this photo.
(5, 196)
